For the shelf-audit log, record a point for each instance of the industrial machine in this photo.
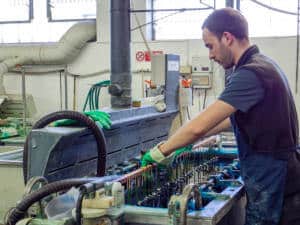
(199, 187)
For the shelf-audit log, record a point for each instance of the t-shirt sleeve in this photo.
(243, 90)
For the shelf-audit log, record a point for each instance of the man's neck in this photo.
(240, 49)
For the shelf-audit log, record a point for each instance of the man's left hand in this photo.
(154, 155)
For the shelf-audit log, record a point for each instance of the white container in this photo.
(62, 206)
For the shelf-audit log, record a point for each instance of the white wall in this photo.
(95, 58)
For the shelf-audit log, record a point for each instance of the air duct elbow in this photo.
(70, 45)
(10, 63)
(62, 52)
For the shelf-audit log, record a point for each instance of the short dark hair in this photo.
(227, 19)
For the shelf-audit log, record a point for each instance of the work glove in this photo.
(154, 155)
(101, 118)
(179, 151)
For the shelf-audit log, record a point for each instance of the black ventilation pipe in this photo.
(120, 88)
(229, 3)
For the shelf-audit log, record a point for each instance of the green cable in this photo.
(97, 97)
(86, 101)
(92, 99)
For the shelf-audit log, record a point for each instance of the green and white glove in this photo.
(179, 151)
(154, 155)
(100, 117)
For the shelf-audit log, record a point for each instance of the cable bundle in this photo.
(92, 99)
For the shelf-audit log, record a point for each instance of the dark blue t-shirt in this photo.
(243, 91)
(263, 175)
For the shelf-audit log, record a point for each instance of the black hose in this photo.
(22, 207)
(82, 119)
(82, 193)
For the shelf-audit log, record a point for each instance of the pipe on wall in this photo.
(120, 88)
(62, 52)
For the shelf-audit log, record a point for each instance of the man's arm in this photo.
(223, 126)
(198, 127)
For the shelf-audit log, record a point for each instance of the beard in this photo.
(226, 60)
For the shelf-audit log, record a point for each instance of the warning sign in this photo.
(148, 55)
(140, 56)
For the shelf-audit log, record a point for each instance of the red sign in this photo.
(140, 56)
(146, 56)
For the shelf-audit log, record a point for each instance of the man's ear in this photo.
(228, 37)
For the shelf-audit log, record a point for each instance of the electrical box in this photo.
(158, 67)
(185, 70)
(201, 72)
(201, 64)
(201, 80)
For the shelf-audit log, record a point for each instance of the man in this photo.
(258, 104)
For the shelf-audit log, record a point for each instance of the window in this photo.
(23, 11)
(263, 20)
(64, 12)
(71, 10)
(181, 24)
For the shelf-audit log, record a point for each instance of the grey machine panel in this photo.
(64, 152)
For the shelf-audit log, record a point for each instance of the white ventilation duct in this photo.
(62, 52)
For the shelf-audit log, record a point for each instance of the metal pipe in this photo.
(153, 32)
(74, 92)
(120, 88)
(66, 88)
(238, 5)
(230, 3)
(24, 100)
(135, 173)
(60, 91)
(168, 10)
(205, 4)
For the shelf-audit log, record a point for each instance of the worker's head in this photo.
(223, 31)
